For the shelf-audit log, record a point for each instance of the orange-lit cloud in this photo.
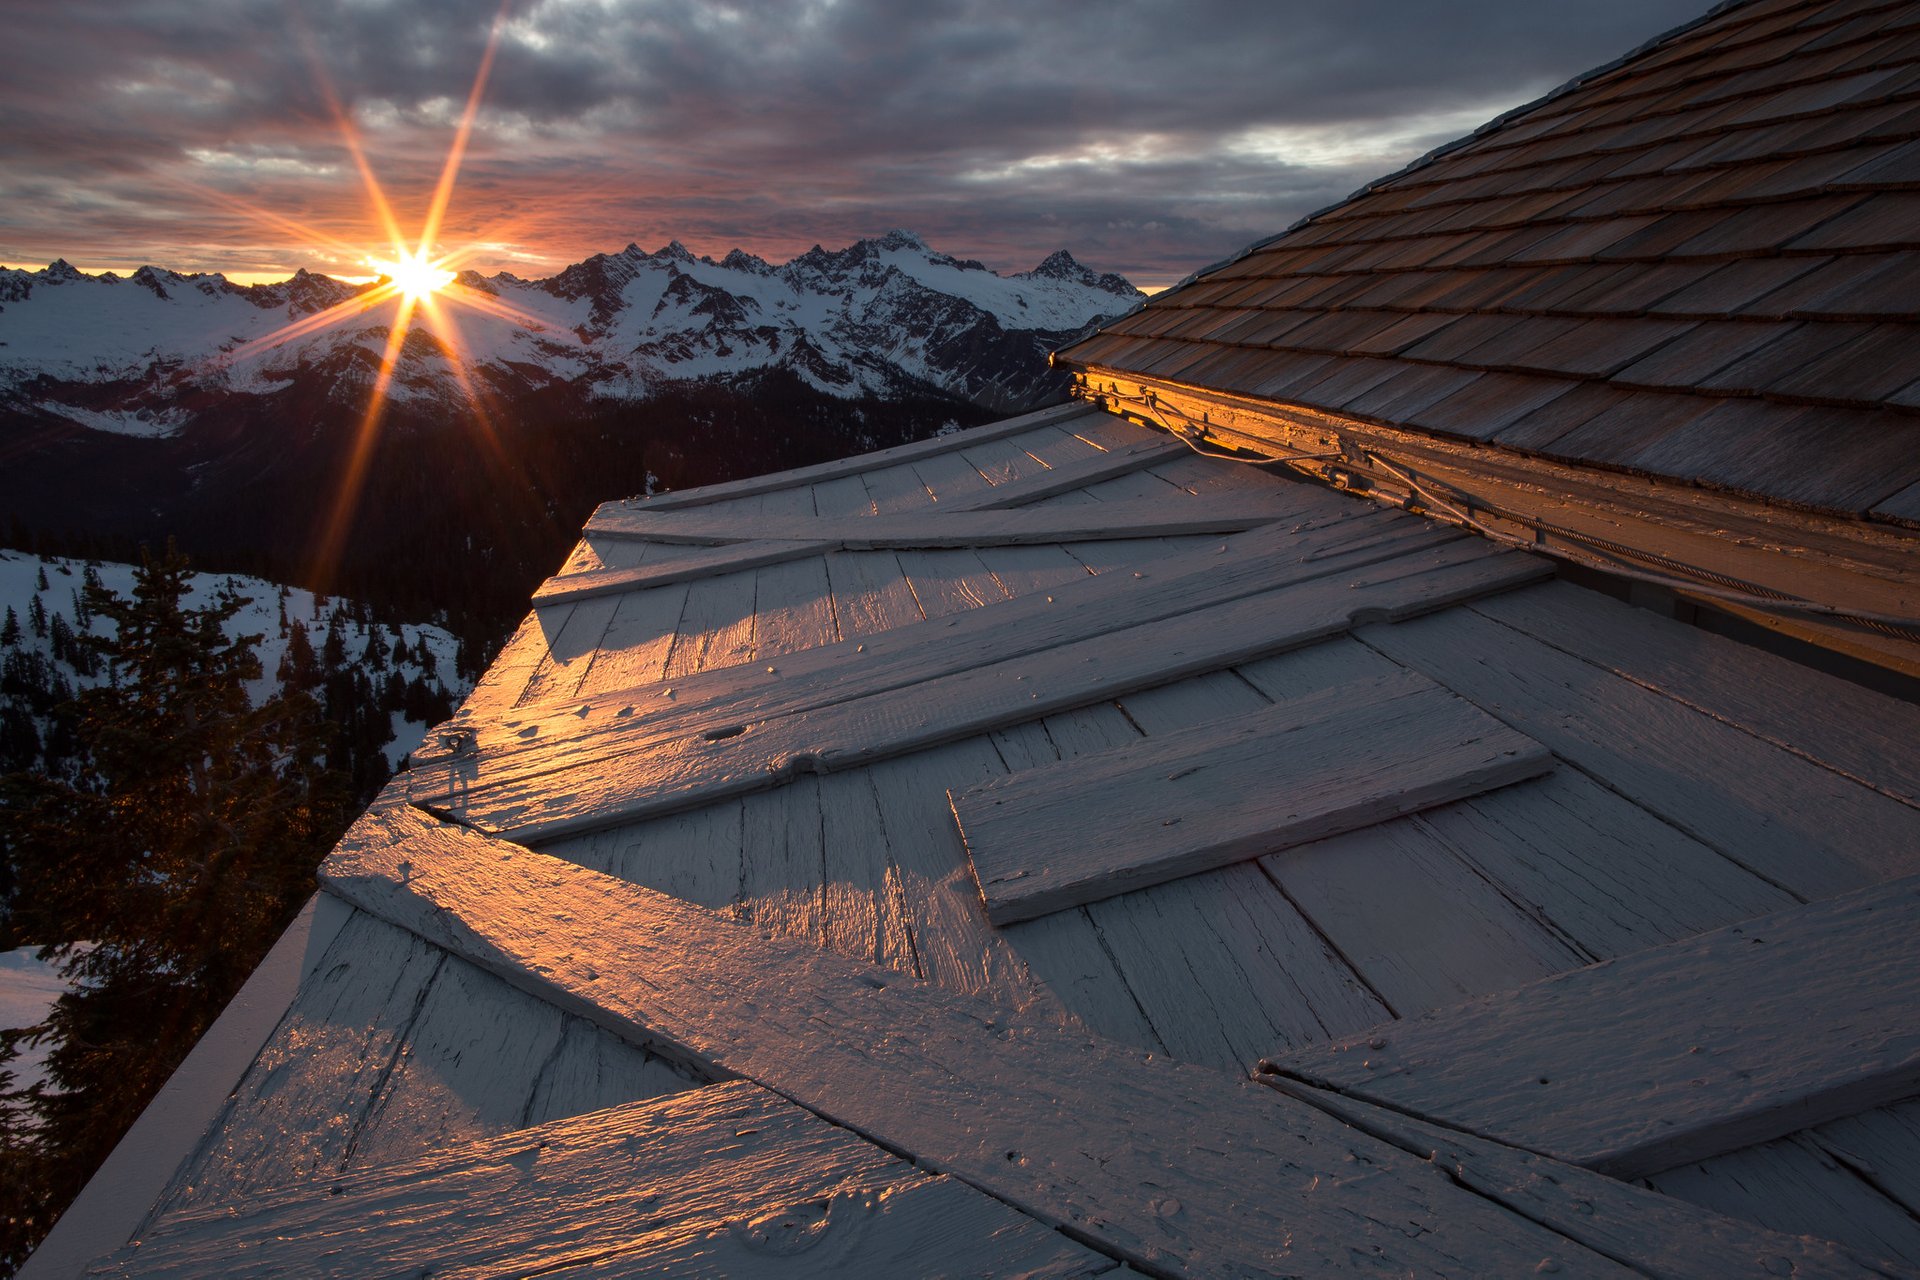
(1147, 136)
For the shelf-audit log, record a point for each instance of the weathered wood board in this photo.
(952, 524)
(1226, 792)
(838, 468)
(1796, 823)
(1673, 1054)
(883, 649)
(702, 562)
(1792, 1185)
(620, 778)
(872, 595)
(1649, 1231)
(729, 1179)
(1847, 728)
(1175, 1169)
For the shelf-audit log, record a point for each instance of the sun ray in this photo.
(346, 498)
(423, 289)
(456, 154)
(339, 311)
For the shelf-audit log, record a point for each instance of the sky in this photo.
(1148, 137)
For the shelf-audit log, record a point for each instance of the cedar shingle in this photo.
(1864, 370)
(1882, 285)
(1412, 390)
(1795, 349)
(1692, 358)
(1462, 335)
(1841, 459)
(1489, 403)
(1540, 427)
(1881, 221)
(1596, 348)
(1622, 430)
(1729, 287)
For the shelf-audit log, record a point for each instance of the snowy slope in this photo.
(20, 573)
(141, 354)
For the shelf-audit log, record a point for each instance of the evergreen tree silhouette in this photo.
(182, 851)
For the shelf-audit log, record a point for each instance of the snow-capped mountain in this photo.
(150, 353)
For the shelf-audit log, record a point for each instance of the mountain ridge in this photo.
(144, 353)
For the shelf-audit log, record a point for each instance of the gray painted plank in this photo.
(1865, 735)
(953, 942)
(1225, 968)
(300, 1105)
(736, 1182)
(1190, 801)
(1600, 869)
(896, 489)
(394, 1047)
(792, 608)
(1881, 1146)
(617, 778)
(1796, 823)
(1673, 1054)
(467, 1070)
(892, 657)
(501, 685)
(950, 476)
(781, 860)
(1025, 570)
(694, 855)
(1415, 921)
(947, 582)
(637, 641)
(870, 593)
(701, 562)
(953, 522)
(1654, 1234)
(716, 626)
(841, 467)
(571, 652)
(864, 911)
(844, 496)
(1077, 474)
(1792, 1186)
(1150, 1161)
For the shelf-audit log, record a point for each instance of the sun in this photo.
(414, 276)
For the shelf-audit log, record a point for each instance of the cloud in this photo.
(1148, 136)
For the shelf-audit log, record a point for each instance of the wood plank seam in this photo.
(705, 495)
(1706, 838)
(1306, 550)
(1691, 704)
(874, 726)
(1692, 1075)
(700, 987)
(1229, 791)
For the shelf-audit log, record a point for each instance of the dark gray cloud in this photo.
(1148, 136)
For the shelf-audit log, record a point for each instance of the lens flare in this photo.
(414, 283)
(413, 275)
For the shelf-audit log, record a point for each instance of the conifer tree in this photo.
(10, 630)
(181, 853)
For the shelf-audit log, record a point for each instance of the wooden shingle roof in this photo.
(1702, 264)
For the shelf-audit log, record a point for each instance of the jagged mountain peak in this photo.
(1061, 265)
(883, 316)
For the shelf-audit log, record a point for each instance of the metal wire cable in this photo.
(1681, 577)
